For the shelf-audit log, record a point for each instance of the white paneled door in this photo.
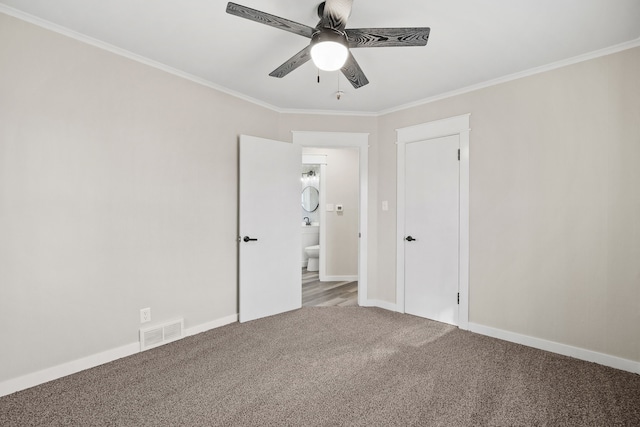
(269, 227)
(431, 229)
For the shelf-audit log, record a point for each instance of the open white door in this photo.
(269, 226)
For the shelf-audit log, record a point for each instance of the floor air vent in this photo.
(164, 333)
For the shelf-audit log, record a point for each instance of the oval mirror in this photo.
(310, 199)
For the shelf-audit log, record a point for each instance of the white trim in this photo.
(435, 129)
(48, 25)
(155, 64)
(519, 75)
(463, 268)
(204, 327)
(555, 347)
(342, 140)
(59, 371)
(385, 305)
(68, 368)
(329, 113)
(322, 240)
(458, 125)
(129, 55)
(341, 278)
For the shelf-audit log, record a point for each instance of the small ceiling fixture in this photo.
(329, 50)
(331, 41)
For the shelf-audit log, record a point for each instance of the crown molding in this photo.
(128, 54)
(519, 75)
(203, 82)
(330, 113)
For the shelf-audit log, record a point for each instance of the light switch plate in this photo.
(339, 208)
(329, 207)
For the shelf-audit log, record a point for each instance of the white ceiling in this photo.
(471, 42)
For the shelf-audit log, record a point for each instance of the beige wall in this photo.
(554, 203)
(118, 190)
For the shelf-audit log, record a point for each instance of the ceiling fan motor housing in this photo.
(329, 35)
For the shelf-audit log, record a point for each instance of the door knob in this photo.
(410, 239)
(249, 239)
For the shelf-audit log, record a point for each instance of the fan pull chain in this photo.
(318, 75)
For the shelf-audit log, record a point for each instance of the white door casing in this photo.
(458, 125)
(269, 211)
(431, 229)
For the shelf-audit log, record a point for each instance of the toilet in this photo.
(313, 252)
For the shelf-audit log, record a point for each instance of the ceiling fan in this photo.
(331, 41)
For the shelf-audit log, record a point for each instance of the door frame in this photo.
(361, 142)
(458, 125)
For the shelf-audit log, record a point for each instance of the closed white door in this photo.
(269, 228)
(431, 229)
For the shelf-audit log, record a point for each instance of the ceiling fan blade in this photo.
(294, 62)
(271, 20)
(336, 13)
(386, 37)
(353, 72)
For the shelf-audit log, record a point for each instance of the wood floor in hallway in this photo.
(327, 294)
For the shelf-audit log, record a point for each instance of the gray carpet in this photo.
(335, 366)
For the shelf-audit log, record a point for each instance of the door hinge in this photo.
(458, 154)
(458, 298)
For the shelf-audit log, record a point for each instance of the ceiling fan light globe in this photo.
(329, 55)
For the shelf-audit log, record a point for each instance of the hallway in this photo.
(327, 294)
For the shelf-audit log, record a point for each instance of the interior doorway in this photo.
(330, 278)
(358, 142)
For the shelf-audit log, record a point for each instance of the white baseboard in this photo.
(554, 347)
(381, 304)
(59, 371)
(210, 325)
(340, 278)
(53, 373)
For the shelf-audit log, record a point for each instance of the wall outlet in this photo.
(145, 315)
